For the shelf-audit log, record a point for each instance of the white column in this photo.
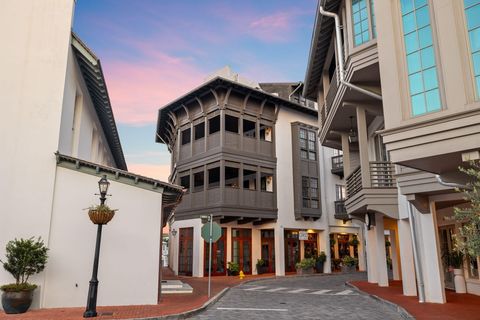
(430, 256)
(279, 251)
(394, 255)
(371, 257)
(406, 258)
(256, 249)
(361, 250)
(325, 247)
(382, 275)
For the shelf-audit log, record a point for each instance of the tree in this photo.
(469, 217)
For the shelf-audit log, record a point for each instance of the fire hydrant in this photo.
(241, 275)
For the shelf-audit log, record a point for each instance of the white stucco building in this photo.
(58, 138)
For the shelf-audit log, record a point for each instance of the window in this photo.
(421, 65)
(374, 23)
(231, 123)
(214, 177)
(310, 192)
(249, 128)
(249, 179)
(214, 124)
(340, 193)
(265, 133)
(308, 146)
(198, 181)
(186, 136)
(185, 181)
(472, 15)
(231, 177)
(266, 182)
(361, 33)
(199, 130)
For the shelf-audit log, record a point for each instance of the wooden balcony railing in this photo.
(381, 176)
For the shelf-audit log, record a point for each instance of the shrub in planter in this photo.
(454, 260)
(261, 266)
(305, 266)
(354, 241)
(349, 264)
(233, 268)
(320, 261)
(25, 257)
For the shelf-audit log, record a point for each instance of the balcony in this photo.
(374, 189)
(340, 210)
(337, 165)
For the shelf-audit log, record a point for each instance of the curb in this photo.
(402, 311)
(190, 313)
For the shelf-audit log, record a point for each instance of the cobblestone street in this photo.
(316, 297)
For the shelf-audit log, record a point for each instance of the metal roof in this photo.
(95, 81)
(217, 82)
(321, 37)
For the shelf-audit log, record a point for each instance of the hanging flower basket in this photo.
(101, 214)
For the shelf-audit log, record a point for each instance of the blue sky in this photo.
(153, 51)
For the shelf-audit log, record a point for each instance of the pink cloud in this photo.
(274, 27)
(138, 89)
(160, 172)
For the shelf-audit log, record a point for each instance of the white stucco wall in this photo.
(129, 256)
(33, 64)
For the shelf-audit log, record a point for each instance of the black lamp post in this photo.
(91, 310)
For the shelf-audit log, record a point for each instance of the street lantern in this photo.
(91, 309)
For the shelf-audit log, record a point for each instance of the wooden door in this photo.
(268, 249)
(185, 251)
(242, 249)
(219, 258)
(292, 250)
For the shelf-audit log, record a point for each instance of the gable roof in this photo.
(92, 74)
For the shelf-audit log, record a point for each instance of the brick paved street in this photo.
(315, 297)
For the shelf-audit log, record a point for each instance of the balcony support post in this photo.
(381, 254)
(363, 146)
(346, 155)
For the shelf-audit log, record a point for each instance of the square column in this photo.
(325, 246)
(361, 250)
(382, 275)
(406, 258)
(279, 251)
(394, 255)
(363, 146)
(371, 256)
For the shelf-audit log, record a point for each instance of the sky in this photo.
(153, 51)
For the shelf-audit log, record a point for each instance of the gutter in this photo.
(341, 68)
(298, 87)
(451, 184)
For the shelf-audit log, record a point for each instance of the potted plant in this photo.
(336, 264)
(261, 266)
(233, 268)
(349, 264)
(320, 261)
(388, 244)
(305, 266)
(25, 257)
(455, 261)
(354, 241)
(101, 214)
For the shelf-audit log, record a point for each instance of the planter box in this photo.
(349, 269)
(301, 271)
(319, 266)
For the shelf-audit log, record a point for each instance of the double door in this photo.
(268, 249)
(242, 249)
(219, 259)
(185, 251)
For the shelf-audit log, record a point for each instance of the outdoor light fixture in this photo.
(352, 134)
(174, 232)
(91, 310)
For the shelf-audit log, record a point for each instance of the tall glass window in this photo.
(360, 22)
(472, 14)
(421, 65)
(374, 24)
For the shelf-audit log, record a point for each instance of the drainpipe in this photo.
(338, 33)
(298, 87)
(416, 257)
(451, 184)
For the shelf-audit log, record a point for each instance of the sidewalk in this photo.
(168, 305)
(458, 306)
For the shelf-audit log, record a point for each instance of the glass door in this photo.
(268, 249)
(185, 251)
(292, 250)
(242, 249)
(446, 247)
(219, 259)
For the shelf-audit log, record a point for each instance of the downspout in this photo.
(416, 257)
(298, 87)
(338, 33)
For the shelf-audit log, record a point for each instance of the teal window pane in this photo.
(473, 17)
(357, 28)
(418, 104)
(356, 17)
(374, 24)
(477, 80)
(355, 6)
(419, 3)
(433, 100)
(428, 57)
(474, 39)
(430, 79)
(365, 36)
(358, 40)
(425, 37)
(409, 24)
(411, 42)
(416, 83)
(423, 17)
(407, 6)
(363, 14)
(476, 63)
(365, 25)
(363, 4)
(413, 62)
(469, 3)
